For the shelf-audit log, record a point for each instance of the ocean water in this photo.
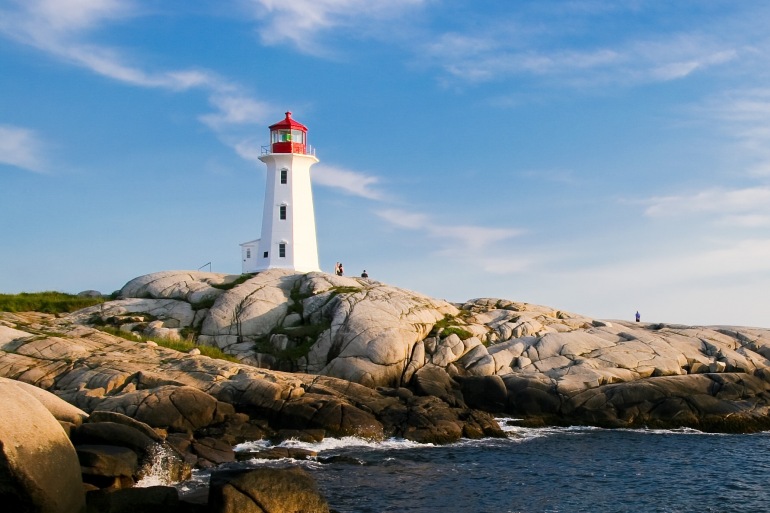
(542, 470)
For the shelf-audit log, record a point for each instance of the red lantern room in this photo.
(288, 136)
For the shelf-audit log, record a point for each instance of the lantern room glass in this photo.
(292, 136)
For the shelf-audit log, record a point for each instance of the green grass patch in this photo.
(50, 302)
(346, 290)
(450, 325)
(178, 345)
(456, 330)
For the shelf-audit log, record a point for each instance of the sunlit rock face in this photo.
(547, 362)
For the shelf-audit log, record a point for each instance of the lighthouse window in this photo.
(282, 250)
(282, 212)
(286, 136)
(284, 175)
(248, 253)
(264, 255)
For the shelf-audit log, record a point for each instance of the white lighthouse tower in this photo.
(288, 223)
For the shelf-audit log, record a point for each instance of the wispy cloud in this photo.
(301, 22)
(474, 244)
(235, 109)
(21, 147)
(63, 29)
(720, 260)
(745, 116)
(748, 207)
(490, 57)
(350, 182)
(578, 44)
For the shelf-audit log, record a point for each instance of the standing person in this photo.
(342, 271)
(337, 267)
(364, 274)
(638, 317)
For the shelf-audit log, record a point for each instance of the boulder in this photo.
(119, 418)
(487, 393)
(60, 409)
(89, 293)
(265, 490)
(172, 312)
(435, 381)
(107, 460)
(213, 450)
(39, 469)
(179, 408)
(374, 330)
(113, 433)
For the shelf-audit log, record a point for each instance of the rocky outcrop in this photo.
(195, 397)
(501, 356)
(351, 328)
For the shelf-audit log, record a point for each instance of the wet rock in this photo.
(213, 450)
(107, 460)
(276, 453)
(153, 499)
(265, 490)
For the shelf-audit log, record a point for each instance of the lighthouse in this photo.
(288, 238)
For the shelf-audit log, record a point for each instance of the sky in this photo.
(596, 156)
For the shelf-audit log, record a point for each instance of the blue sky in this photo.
(596, 156)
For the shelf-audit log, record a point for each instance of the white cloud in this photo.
(470, 237)
(509, 47)
(61, 29)
(745, 116)
(479, 247)
(351, 182)
(235, 109)
(300, 22)
(20, 147)
(59, 16)
(732, 207)
(747, 220)
(722, 260)
(248, 149)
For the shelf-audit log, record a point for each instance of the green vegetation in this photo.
(46, 302)
(178, 345)
(227, 286)
(302, 339)
(345, 290)
(450, 325)
(296, 305)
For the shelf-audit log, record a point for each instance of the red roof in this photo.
(288, 123)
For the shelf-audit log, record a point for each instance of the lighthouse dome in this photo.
(288, 136)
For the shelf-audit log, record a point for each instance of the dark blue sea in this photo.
(544, 470)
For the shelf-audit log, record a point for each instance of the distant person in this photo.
(340, 269)
(638, 317)
(364, 274)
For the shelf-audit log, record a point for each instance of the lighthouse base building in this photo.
(288, 238)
